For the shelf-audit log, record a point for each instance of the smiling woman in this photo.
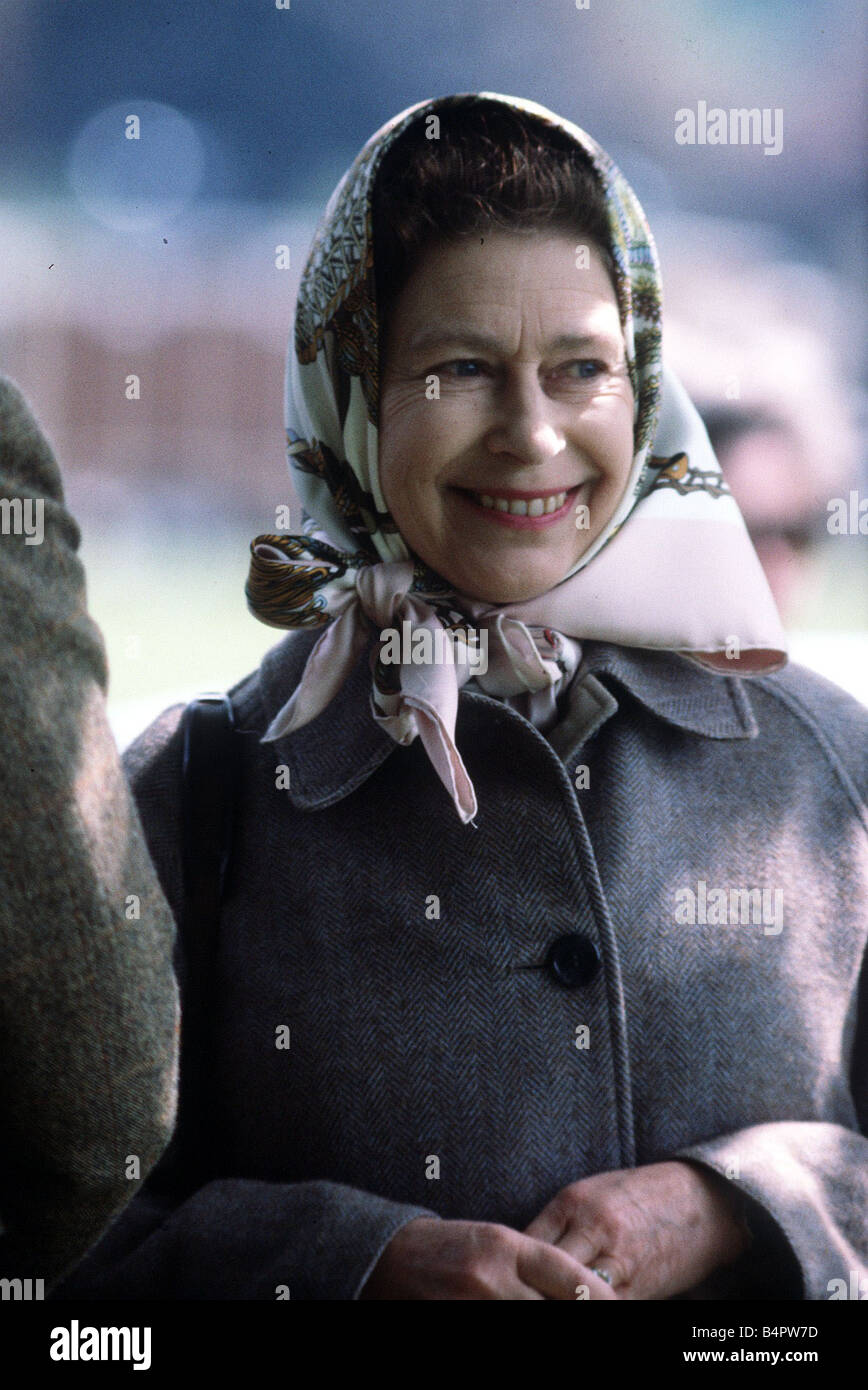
(495, 281)
(517, 1071)
(485, 486)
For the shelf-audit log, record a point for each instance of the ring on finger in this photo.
(602, 1274)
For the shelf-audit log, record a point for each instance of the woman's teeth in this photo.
(527, 506)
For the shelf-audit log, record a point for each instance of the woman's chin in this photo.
(505, 590)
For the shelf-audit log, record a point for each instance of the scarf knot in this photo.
(427, 649)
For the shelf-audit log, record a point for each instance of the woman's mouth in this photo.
(512, 507)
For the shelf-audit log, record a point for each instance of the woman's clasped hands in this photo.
(638, 1233)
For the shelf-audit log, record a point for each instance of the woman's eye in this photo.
(585, 369)
(464, 367)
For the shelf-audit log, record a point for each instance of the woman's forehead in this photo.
(508, 259)
(486, 294)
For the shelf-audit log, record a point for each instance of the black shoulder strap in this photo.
(208, 772)
(209, 777)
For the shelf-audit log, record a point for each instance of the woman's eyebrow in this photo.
(446, 335)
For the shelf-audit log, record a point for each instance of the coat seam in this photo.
(805, 717)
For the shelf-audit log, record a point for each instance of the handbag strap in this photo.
(209, 781)
(208, 778)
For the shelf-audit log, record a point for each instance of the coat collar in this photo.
(337, 751)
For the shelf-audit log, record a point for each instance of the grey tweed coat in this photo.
(89, 1011)
(434, 1064)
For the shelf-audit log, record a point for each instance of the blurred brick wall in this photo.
(208, 424)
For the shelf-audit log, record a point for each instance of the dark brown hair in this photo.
(491, 167)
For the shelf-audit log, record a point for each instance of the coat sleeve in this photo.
(236, 1238)
(806, 1191)
(805, 1183)
(805, 1186)
(89, 1012)
(188, 1237)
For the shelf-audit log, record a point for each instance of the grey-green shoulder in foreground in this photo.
(89, 1021)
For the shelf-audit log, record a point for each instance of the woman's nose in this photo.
(525, 423)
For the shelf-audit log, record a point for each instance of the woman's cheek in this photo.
(399, 432)
(456, 431)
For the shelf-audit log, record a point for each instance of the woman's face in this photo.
(534, 418)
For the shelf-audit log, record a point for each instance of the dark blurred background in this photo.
(156, 258)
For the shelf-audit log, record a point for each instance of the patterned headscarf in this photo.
(681, 576)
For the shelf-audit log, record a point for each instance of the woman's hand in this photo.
(657, 1230)
(435, 1259)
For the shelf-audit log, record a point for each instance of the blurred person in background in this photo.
(89, 1013)
(764, 464)
(763, 350)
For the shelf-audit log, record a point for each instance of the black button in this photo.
(573, 960)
